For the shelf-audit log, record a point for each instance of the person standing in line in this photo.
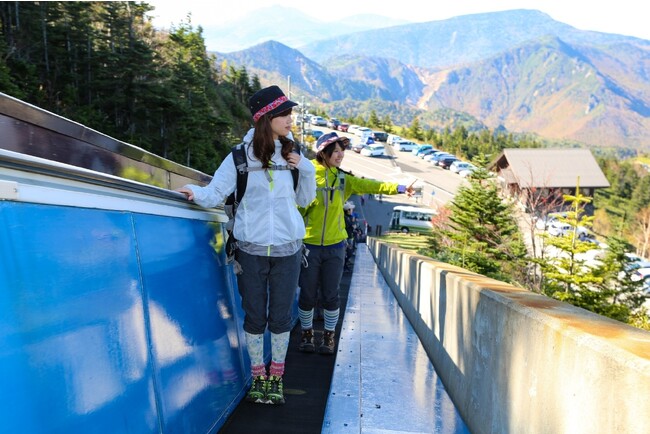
(350, 228)
(269, 231)
(326, 238)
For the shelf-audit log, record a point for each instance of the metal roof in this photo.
(550, 168)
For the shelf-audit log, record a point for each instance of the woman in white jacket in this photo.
(269, 232)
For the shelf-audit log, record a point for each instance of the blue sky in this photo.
(625, 17)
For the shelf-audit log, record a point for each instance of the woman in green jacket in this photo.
(326, 238)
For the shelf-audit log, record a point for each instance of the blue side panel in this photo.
(190, 305)
(73, 346)
(115, 322)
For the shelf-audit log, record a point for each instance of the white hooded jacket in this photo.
(267, 214)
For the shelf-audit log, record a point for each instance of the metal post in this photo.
(302, 120)
(289, 86)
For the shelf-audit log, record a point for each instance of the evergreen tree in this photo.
(641, 194)
(358, 120)
(192, 121)
(387, 124)
(415, 130)
(568, 275)
(617, 296)
(482, 234)
(373, 120)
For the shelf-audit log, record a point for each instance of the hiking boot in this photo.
(307, 341)
(257, 392)
(274, 390)
(327, 345)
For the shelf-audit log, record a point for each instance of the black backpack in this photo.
(234, 199)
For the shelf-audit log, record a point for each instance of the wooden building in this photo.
(539, 172)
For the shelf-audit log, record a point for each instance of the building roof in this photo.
(549, 168)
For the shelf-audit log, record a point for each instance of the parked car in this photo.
(446, 162)
(333, 123)
(380, 136)
(561, 229)
(636, 265)
(352, 128)
(316, 133)
(363, 132)
(458, 165)
(318, 121)
(631, 268)
(632, 257)
(427, 156)
(343, 127)
(376, 150)
(426, 152)
(466, 172)
(543, 223)
(439, 156)
(420, 149)
(405, 145)
(358, 146)
(641, 274)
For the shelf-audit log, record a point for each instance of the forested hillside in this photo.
(103, 65)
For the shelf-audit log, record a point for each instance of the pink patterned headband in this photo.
(267, 108)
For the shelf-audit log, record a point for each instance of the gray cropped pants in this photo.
(268, 281)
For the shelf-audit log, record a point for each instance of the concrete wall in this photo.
(518, 362)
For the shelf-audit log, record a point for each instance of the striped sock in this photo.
(258, 370)
(331, 318)
(306, 318)
(276, 369)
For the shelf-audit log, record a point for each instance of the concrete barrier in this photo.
(518, 362)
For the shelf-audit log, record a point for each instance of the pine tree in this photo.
(387, 124)
(568, 276)
(415, 130)
(617, 296)
(373, 120)
(482, 233)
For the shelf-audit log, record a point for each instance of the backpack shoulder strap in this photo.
(341, 174)
(241, 164)
(295, 173)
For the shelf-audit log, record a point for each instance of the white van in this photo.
(410, 218)
(561, 229)
(363, 132)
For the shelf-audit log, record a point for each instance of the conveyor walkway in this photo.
(381, 379)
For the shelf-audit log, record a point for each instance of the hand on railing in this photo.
(189, 195)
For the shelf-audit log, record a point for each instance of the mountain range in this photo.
(288, 26)
(517, 70)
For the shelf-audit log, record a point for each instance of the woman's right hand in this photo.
(189, 195)
(293, 159)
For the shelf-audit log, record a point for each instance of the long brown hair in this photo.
(263, 144)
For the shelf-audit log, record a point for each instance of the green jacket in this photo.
(324, 220)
